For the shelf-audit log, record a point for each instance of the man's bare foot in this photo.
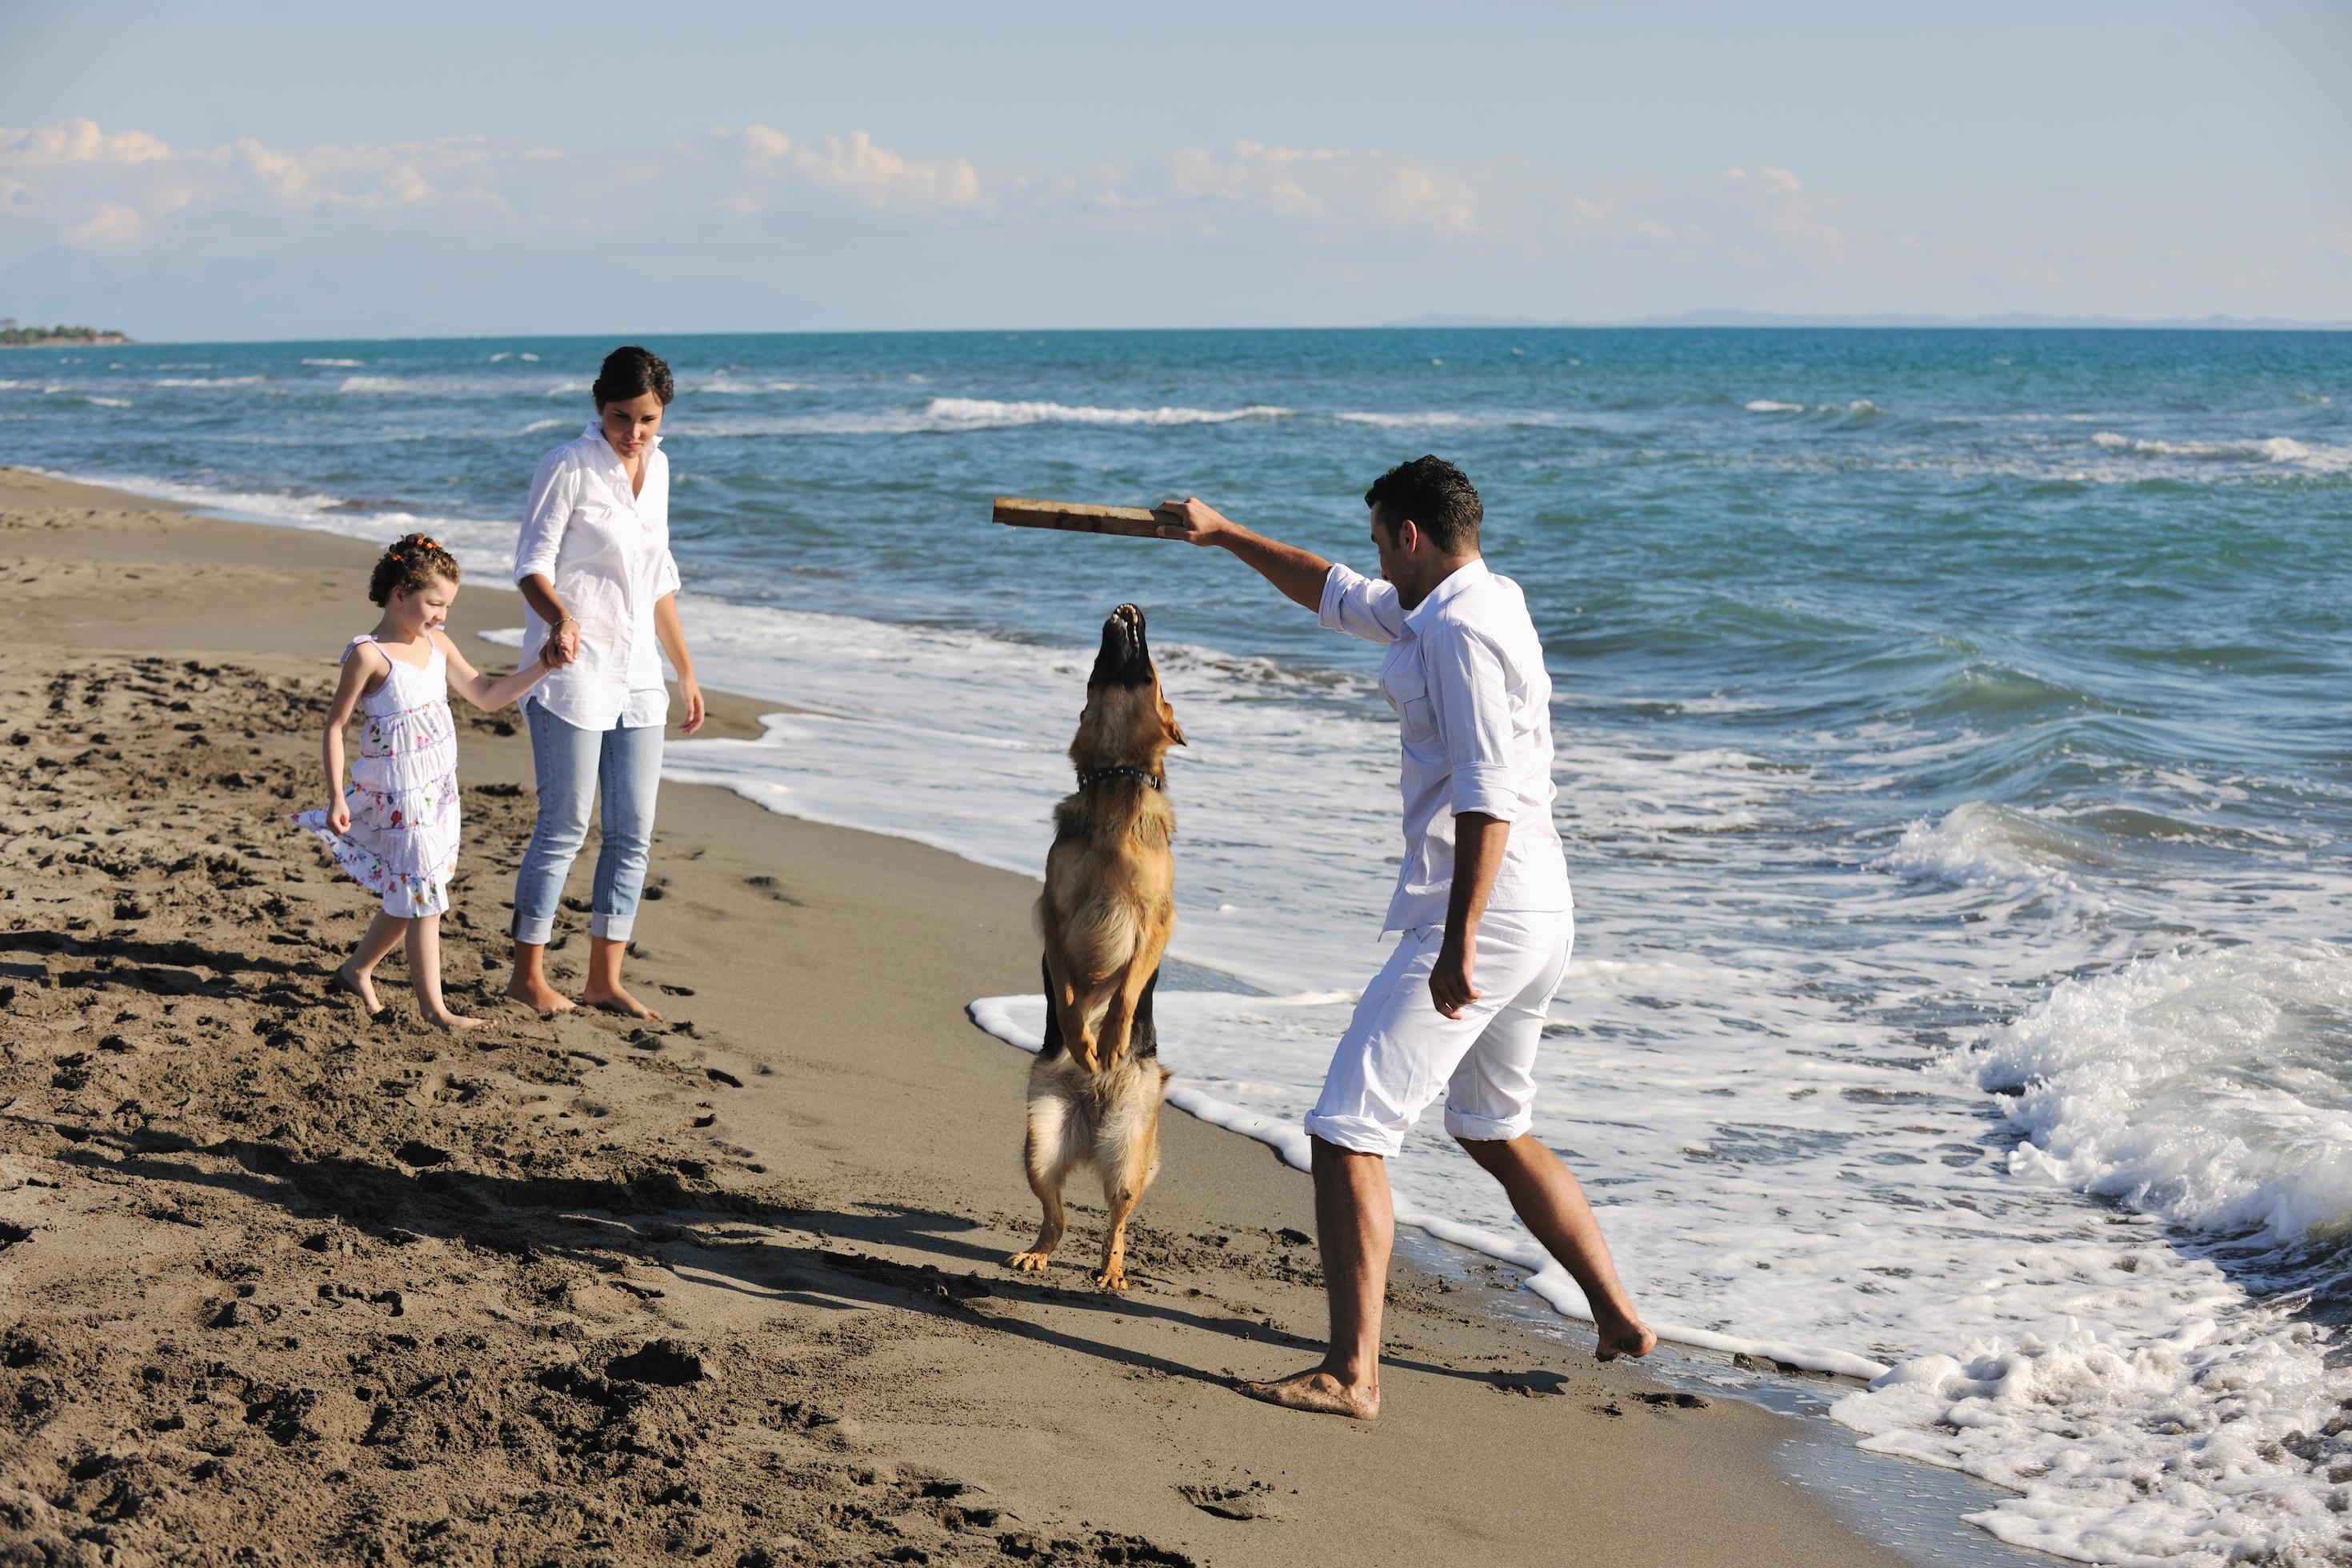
(538, 995)
(361, 983)
(1622, 1336)
(1320, 1393)
(617, 1000)
(452, 1022)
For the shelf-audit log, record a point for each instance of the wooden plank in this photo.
(1076, 517)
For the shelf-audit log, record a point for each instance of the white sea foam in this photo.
(107, 401)
(724, 386)
(1860, 408)
(337, 363)
(2214, 1089)
(207, 379)
(1432, 418)
(976, 411)
(2283, 450)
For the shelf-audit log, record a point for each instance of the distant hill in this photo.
(12, 336)
(2015, 320)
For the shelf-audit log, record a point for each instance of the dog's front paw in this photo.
(1113, 1277)
(1029, 1262)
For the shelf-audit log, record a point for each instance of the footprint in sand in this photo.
(1253, 1499)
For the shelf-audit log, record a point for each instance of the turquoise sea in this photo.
(1954, 768)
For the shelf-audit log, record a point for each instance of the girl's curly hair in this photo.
(413, 561)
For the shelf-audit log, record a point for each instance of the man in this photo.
(1482, 910)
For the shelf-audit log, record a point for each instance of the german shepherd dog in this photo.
(1106, 915)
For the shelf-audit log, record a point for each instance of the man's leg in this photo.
(1356, 1226)
(1489, 1106)
(1550, 1202)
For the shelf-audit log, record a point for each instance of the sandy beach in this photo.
(279, 1283)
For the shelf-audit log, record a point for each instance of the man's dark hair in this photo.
(629, 374)
(1435, 494)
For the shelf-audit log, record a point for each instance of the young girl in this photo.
(396, 828)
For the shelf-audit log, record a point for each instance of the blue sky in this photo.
(264, 170)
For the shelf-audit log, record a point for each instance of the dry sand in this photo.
(279, 1283)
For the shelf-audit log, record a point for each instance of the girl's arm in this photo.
(479, 689)
(359, 668)
(673, 641)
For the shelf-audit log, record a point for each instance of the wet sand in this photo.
(279, 1283)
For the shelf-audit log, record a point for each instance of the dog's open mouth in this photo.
(1126, 657)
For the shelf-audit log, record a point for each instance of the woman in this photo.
(594, 566)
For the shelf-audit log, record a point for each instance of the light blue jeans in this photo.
(572, 765)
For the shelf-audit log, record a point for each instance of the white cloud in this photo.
(1326, 188)
(111, 227)
(857, 166)
(78, 141)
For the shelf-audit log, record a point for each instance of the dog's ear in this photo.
(1167, 721)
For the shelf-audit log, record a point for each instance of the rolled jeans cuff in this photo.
(1487, 1129)
(532, 933)
(612, 927)
(1355, 1134)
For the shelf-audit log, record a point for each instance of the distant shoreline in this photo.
(11, 340)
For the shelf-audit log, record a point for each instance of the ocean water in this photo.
(1953, 762)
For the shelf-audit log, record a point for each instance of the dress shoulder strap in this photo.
(344, 657)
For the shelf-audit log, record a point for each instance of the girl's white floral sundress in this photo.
(402, 843)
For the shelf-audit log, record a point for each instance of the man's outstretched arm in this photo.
(1298, 573)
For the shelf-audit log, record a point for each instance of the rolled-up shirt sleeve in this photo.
(1472, 708)
(1361, 607)
(554, 492)
(666, 573)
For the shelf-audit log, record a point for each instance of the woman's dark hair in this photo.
(631, 372)
(413, 561)
(1435, 494)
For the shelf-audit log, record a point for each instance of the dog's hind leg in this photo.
(1053, 1144)
(1130, 1156)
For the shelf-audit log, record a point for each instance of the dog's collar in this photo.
(1089, 777)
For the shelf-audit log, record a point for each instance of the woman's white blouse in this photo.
(606, 550)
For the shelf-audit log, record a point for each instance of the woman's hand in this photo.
(338, 815)
(562, 644)
(692, 694)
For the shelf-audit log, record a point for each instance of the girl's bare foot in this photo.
(1320, 1393)
(452, 1022)
(615, 999)
(537, 996)
(1622, 1336)
(360, 982)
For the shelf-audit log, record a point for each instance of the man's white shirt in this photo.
(1466, 674)
(606, 547)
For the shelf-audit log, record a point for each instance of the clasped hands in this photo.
(562, 645)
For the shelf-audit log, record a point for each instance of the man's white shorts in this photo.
(1400, 1052)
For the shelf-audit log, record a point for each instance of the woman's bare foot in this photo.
(1622, 1336)
(360, 982)
(537, 996)
(1319, 1392)
(616, 999)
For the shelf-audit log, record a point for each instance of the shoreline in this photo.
(74, 577)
